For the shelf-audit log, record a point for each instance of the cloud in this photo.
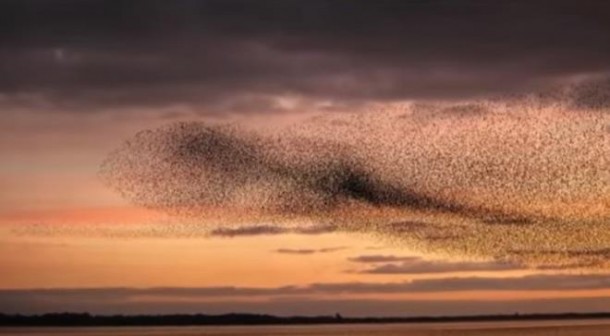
(314, 229)
(259, 230)
(573, 258)
(310, 251)
(414, 265)
(381, 258)
(248, 231)
(535, 282)
(155, 54)
(315, 307)
(594, 94)
(310, 298)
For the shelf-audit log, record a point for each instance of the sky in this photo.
(386, 158)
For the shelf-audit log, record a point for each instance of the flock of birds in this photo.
(523, 179)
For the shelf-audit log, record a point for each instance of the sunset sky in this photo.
(371, 158)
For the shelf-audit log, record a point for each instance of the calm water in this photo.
(552, 328)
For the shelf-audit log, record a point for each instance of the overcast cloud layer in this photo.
(247, 56)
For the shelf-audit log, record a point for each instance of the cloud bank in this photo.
(246, 57)
(347, 298)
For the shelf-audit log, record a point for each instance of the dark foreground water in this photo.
(544, 328)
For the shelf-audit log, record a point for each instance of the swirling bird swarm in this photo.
(523, 180)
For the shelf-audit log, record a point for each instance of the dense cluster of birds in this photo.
(522, 179)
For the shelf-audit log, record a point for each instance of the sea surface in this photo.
(536, 328)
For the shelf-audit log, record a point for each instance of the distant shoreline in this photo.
(89, 320)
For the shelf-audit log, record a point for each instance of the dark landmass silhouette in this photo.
(89, 320)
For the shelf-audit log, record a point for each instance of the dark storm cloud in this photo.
(217, 53)
(170, 299)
